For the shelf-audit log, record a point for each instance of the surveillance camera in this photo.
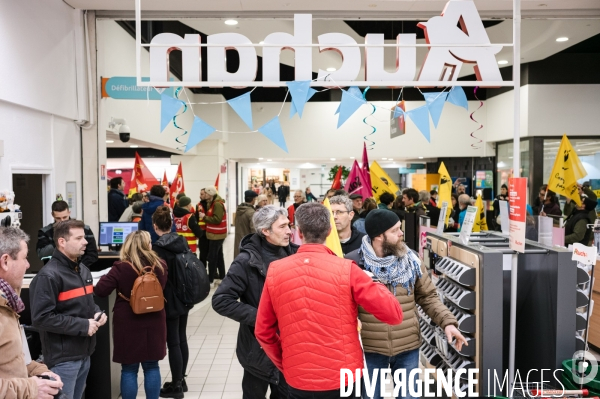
(124, 137)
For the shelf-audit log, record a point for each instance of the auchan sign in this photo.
(449, 47)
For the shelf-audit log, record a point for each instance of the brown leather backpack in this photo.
(147, 293)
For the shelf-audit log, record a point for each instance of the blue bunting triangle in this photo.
(349, 104)
(435, 105)
(200, 131)
(420, 117)
(168, 109)
(355, 91)
(309, 94)
(242, 106)
(299, 91)
(458, 97)
(272, 131)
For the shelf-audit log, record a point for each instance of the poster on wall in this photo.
(484, 179)
(71, 198)
(517, 194)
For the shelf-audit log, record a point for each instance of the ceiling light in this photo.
(333, 159)
(262, 43)
(385, 159)
(231, 22)
(351, 157)
(260, 159)
(269, 160)
(109, 141)
(390, 159)
(134, 146)
(502, 62)
(331, 69)
(562, 39)
(420, 157)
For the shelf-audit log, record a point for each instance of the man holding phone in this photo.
(63, 309)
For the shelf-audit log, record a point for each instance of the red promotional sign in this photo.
(517, 199)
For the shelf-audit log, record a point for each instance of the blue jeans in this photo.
(129, 383)
(406, 360)
(73, 375)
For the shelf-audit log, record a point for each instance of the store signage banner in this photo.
(583, 254)
(517, 194)
(467, 226)
(126, 88)
(442, 219)
(459, 29)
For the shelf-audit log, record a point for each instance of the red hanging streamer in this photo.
(476, 145)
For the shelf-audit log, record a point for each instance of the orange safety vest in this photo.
(136, 219)
(220, 228)
(201, 222)
(183, 229)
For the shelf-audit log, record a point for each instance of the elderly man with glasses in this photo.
(343, 213)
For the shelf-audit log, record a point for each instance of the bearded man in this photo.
(384, 253)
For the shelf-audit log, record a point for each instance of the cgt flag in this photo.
(445, 189)
(333, 240)
(480, 220)
(177, 186)
(164, 181)
(337, 180)
(566, 171)
(141, 178)
(381, 182)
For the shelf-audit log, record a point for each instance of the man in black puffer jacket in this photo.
(244, 281)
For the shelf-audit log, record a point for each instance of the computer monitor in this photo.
(114, 233)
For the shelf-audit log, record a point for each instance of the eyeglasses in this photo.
(337, 213)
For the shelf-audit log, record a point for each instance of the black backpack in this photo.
(192, 285)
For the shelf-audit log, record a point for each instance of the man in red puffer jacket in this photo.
(307, 316)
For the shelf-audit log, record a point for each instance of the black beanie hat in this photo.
(378, 221)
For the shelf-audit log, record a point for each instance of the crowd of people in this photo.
(285, 287)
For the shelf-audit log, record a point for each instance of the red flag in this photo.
(217, 182)
(164, 181)
(141, 178)
(355, 184)
(177, 186)
(337, 180)
(365, 168)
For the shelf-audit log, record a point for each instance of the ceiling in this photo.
(331, 8)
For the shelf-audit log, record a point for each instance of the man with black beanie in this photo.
(384, 254)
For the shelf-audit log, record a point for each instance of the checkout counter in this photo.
(104, 378)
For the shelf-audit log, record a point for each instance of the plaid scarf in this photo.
(391, 269)
(14, 302)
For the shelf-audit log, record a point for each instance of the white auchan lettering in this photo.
(458, 36)
(450, 383)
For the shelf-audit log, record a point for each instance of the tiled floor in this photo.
(213, 370)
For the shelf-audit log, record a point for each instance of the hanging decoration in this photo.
(476, 146)
(420, 117)
(435, 104)
(243, 107)
(311, 92)
(272, 131)
(458, 97)
(168, 109)
(185, 107)
(200, 131)
(349, 105)
(300, 94)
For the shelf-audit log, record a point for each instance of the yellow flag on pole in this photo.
(566, 171)
(333, 240)
(480, 220)
(381, 182)
(445, 189)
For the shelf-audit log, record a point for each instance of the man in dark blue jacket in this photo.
(239, 294)
(117, 200)
(63, 309)
(156, 199)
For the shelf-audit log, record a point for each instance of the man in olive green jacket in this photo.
(243, 220)
(384, 254)
(216, 232)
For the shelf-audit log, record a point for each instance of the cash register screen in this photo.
(114, 233)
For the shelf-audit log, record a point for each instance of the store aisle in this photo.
(213, 370)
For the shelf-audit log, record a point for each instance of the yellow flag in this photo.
(381, 182)
(480, 220)
(445, 190)
(333, 240)
(566, 171)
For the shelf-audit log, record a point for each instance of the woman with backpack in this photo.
(138, 338)
(168, 246)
